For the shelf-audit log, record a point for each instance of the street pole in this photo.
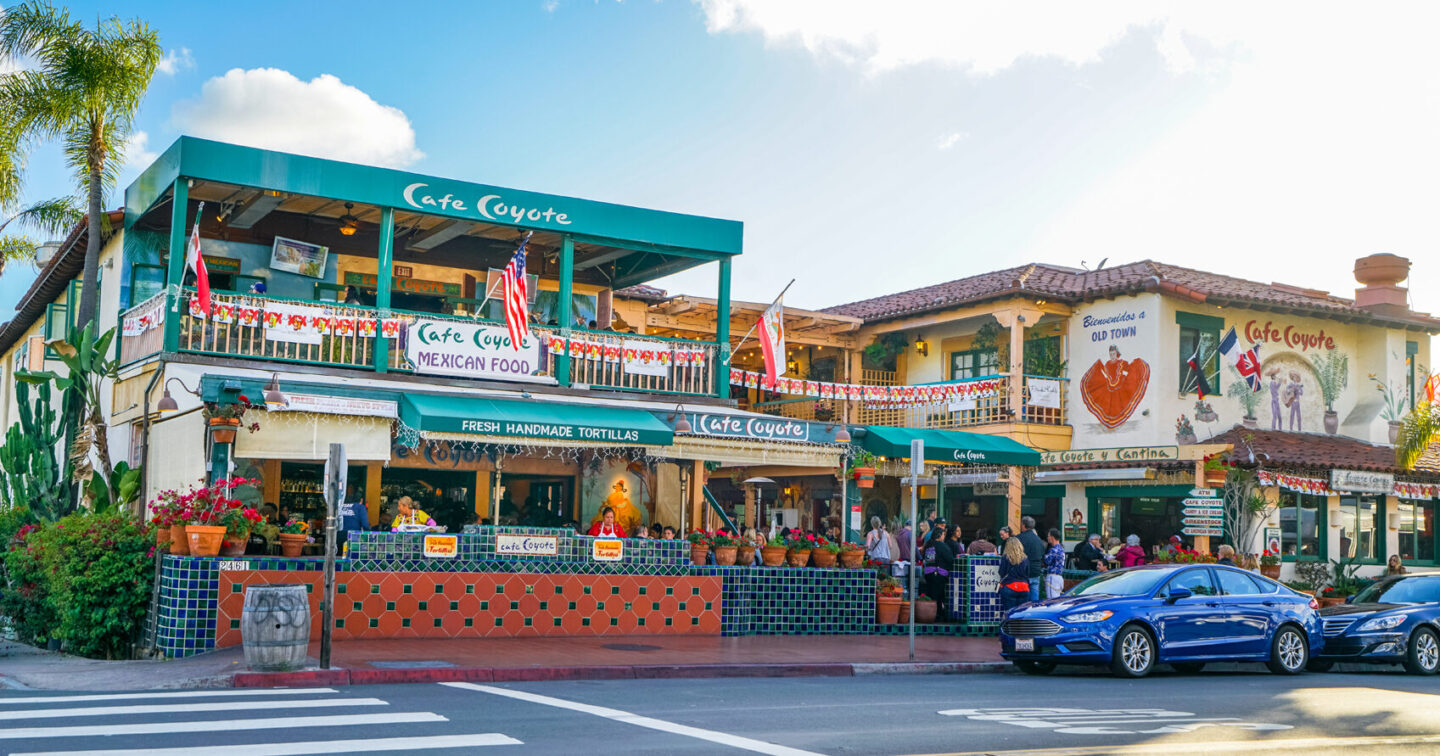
(917, 468)
(336, 473)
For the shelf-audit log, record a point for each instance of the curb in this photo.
(319, 678)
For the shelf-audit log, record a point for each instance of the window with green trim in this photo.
(1416, 521)
(1302, 526)
(974, 363)
(1199, 337)
(146, 281)
(1362, 526)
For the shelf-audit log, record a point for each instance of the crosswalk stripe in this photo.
(313, 747)
(107, 711)
(166, 695)
(276, 723)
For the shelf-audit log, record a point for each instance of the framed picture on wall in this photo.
(300, 258)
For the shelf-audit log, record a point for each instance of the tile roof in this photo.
(1315, 452)
(1074, 285)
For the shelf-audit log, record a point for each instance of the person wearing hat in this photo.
(1174, 545)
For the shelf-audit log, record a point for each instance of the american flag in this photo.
(517, 300)
(1246, 361)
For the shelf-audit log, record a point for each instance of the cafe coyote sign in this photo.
(491, 207)
(509, 544)
(1117, 454)
(1290, 336)
(471, 351)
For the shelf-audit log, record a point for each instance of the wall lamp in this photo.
(682, 424)
(167, 402)
(922, 346)
(274, 397)
(842, 436)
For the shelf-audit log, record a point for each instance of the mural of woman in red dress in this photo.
(1113, 389)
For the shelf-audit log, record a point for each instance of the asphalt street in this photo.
(1232, 711)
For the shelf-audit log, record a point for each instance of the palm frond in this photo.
(1418, 431)
(53, 216)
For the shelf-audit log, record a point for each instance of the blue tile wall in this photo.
(405, 552)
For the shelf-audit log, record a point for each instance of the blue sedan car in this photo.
(1394, 621)
(1181, 615)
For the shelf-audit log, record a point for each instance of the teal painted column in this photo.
(219, 460)
(722, 332)
(384, 275)
(567, 288)
(175, 270)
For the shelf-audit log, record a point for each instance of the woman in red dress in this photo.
(1112, 389)
(607, 525)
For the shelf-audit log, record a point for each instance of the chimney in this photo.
(1381, 275)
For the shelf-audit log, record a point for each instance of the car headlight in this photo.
(1383, 623)
(1082, 617)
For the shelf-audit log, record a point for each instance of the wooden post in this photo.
(1202, 543)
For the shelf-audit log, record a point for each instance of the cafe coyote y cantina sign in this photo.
(471, 351)
(1119, 454)
(509, 544)
(607, 549)
(442, 546)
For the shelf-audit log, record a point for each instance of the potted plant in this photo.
(1343, 585)
(1392, 405)
(167, 515)
(773, 553)
(238, 520)
(1216, 469)
(699, 546)
(852, 555)
(925, 609)
(1270, 565)
(800, 545)
(888, 595)
(725, 549)
(225, 419)
(1204, 412)
(1332, 372)
(293, 537)
(825, 553)
(1249, 400)
(745, 552)
(1184, 431)
(862, 468)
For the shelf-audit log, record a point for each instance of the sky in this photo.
(867, 147)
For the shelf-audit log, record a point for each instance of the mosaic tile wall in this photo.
(189, 594)
(404, 552)
(784, 601)
(978, 593)
(372, 605)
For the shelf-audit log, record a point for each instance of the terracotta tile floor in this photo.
(660, 650)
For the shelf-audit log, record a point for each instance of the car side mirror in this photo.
(1177, 593)
(1350, 599)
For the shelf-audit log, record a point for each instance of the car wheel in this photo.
(1288, 652)
(1035, 667)
(1319, 665)
(1423, 658)
(1188, 668)
(1134, 654)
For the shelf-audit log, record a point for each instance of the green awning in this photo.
(949, 446)
(535, 418)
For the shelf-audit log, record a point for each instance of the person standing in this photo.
(410, 514)
(902, 540)
(1014, 575)
(1054, 565)
(877, 543)
(1035, 552)
(607, 526)
(1005, 535)
(354, 516)
(939, 560)
(981, 546)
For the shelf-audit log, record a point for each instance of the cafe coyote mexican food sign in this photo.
(471, 351)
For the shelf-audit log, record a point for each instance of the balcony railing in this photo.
(352, 334)
(980, 410)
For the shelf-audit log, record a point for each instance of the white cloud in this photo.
(175, 61)
(138, 155)
(550, 5)
(953, 138)
(324, 117)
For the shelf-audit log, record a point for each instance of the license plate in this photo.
(1024, 644)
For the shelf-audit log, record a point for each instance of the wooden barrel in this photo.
(275, 627)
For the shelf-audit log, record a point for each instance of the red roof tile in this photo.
(1317, 452)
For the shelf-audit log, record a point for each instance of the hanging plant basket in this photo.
(865, 477)
(222, 429)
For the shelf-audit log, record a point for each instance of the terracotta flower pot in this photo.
(725, 555)
(205, 539)
(745, 555)
(824, 558)
(798, 557)
(1215, 478)
(222, 429)
(162, 540)
(234, 547)
(179, 543)
(865, 477)
(1381, 269)
(698, 552)
(887, 610)
(904, 612)
(852, 558)
(773, 556)
(926, 611)
(1271, 571)
(291, 544)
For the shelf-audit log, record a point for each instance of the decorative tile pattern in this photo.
(405, 552)
(977, 592)
(785, 601)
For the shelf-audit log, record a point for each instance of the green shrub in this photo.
(25, 590)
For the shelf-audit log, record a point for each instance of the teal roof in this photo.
(533, 419)
(949, 446)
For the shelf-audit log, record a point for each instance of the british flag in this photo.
(1246, 361)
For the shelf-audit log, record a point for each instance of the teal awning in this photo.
(554, 421)
(949, 446)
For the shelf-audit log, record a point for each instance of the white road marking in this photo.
(1073, 721)
(1212, 746)
(734, 741)
(105, 711)
(300, 749)
(239, 725)
(176, 694)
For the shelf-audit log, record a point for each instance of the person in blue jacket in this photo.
(353, 514)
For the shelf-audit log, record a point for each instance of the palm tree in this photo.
(81, 86)
(1418, 431)
(53, 217)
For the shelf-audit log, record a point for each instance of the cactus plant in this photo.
(29, 465)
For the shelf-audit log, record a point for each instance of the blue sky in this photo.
(868, 147)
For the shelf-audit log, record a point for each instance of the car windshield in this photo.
(1415, 590)
(1122, 583)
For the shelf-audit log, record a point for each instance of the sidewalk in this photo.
(522, 659)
